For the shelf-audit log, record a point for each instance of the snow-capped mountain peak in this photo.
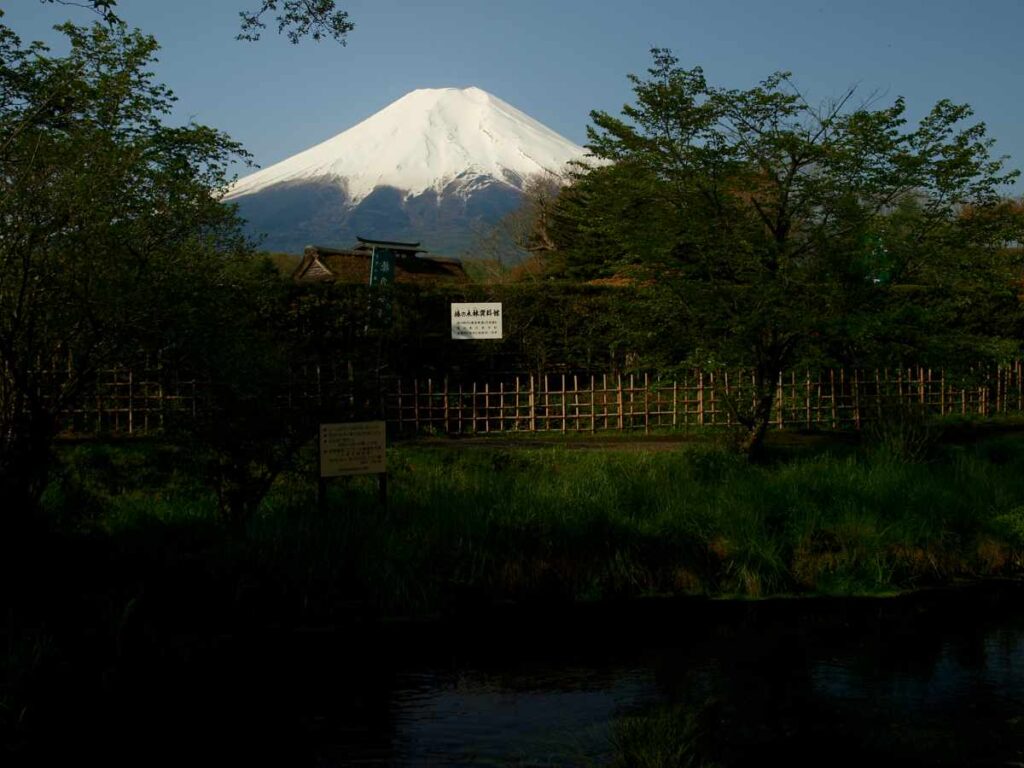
(426, 140)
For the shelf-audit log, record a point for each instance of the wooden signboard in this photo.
(355, 448)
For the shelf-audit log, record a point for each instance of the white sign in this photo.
(356, 448)
(476, 321)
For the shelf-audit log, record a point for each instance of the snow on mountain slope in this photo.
(426, 140)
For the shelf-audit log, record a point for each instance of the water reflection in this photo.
(928, 680)
(539, 717)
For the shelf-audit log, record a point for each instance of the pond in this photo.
(935, 678)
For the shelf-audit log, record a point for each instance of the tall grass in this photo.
(666, 737)
(488, 524)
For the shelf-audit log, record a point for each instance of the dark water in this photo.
(933, 679)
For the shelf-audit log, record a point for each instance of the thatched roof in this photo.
(322, 264)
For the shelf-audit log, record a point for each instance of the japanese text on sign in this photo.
(352, 449)
(476, 321)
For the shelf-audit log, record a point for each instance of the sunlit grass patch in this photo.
(485, 524)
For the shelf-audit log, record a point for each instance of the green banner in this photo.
(382, 276)
(382, 266)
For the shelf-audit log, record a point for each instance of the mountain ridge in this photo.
(438, 165)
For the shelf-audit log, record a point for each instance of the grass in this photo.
(474, 526)
(672, 736)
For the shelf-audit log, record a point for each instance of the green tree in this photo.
(260, 403)
(109, 219)
(787, 230)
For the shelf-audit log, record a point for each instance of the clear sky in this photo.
(558, 59)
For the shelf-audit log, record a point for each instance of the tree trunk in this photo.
(240, 491)
(752, 440)
(755, 423)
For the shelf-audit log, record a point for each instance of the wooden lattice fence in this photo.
(144, 400)
(831, 399)
(139, 402)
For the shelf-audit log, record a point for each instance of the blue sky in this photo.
(559, 59)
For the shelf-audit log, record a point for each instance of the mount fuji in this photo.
(439, 166)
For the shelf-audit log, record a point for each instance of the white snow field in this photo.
(428, 139)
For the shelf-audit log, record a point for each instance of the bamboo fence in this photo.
(126, 401)
(830, 399)
(129, 401)
(139, 403)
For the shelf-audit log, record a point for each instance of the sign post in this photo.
(355, 448)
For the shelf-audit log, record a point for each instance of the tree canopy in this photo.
(109, 216)
(788, 230)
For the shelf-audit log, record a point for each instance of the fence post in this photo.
(545, 391)
(447, 423)
(631, 399)
(473, 411)
(563, 404)
(593, 406)
(501, 406)
(620, 402)
(515, 410)
(780, 401)
(793, 397)
(728, 394)
(700, 398)
(647, 404)
(832, 386)
(131, 400)
(459, 408)
(713, 409)
(604, 401)
(807, 399)
(576, 403)
(430, 403)
(999, 389)
(533, 407)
